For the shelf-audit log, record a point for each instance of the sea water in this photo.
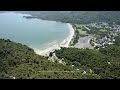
(35, 33)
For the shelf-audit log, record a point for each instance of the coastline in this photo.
(64, 43)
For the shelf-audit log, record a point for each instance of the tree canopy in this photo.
(21, 62)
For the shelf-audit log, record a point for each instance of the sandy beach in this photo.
(64, 43)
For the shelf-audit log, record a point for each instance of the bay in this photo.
(35, 33)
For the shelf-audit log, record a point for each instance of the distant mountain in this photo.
(77, 16)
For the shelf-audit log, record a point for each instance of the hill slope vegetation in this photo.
(21, 62)
(77, 16)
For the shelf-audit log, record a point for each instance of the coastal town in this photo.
(104, 25)
(103, 34)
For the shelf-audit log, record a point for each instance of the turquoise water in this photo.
(35, 33)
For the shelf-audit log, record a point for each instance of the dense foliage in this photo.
(117, 40)
(20, 61)
(105, 63)
(77, 16)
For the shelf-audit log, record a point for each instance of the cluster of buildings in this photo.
(99, 25)
(116, 28)
(105, 25)
(102, 41)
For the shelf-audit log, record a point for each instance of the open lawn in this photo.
(81, 32)
(103, 30)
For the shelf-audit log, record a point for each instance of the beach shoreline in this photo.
(64, 43)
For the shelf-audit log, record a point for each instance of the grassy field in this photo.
(80, 28)
(81, 32)
(103, 30)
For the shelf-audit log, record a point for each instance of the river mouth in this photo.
(35, 33)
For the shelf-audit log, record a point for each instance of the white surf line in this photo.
(64, 43)
(67, 41)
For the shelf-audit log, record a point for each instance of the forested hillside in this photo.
(77, 16)
(105, 63)
(20, 62)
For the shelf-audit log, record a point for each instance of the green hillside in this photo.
(20, 61)
(77, 16)
(105, 63)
